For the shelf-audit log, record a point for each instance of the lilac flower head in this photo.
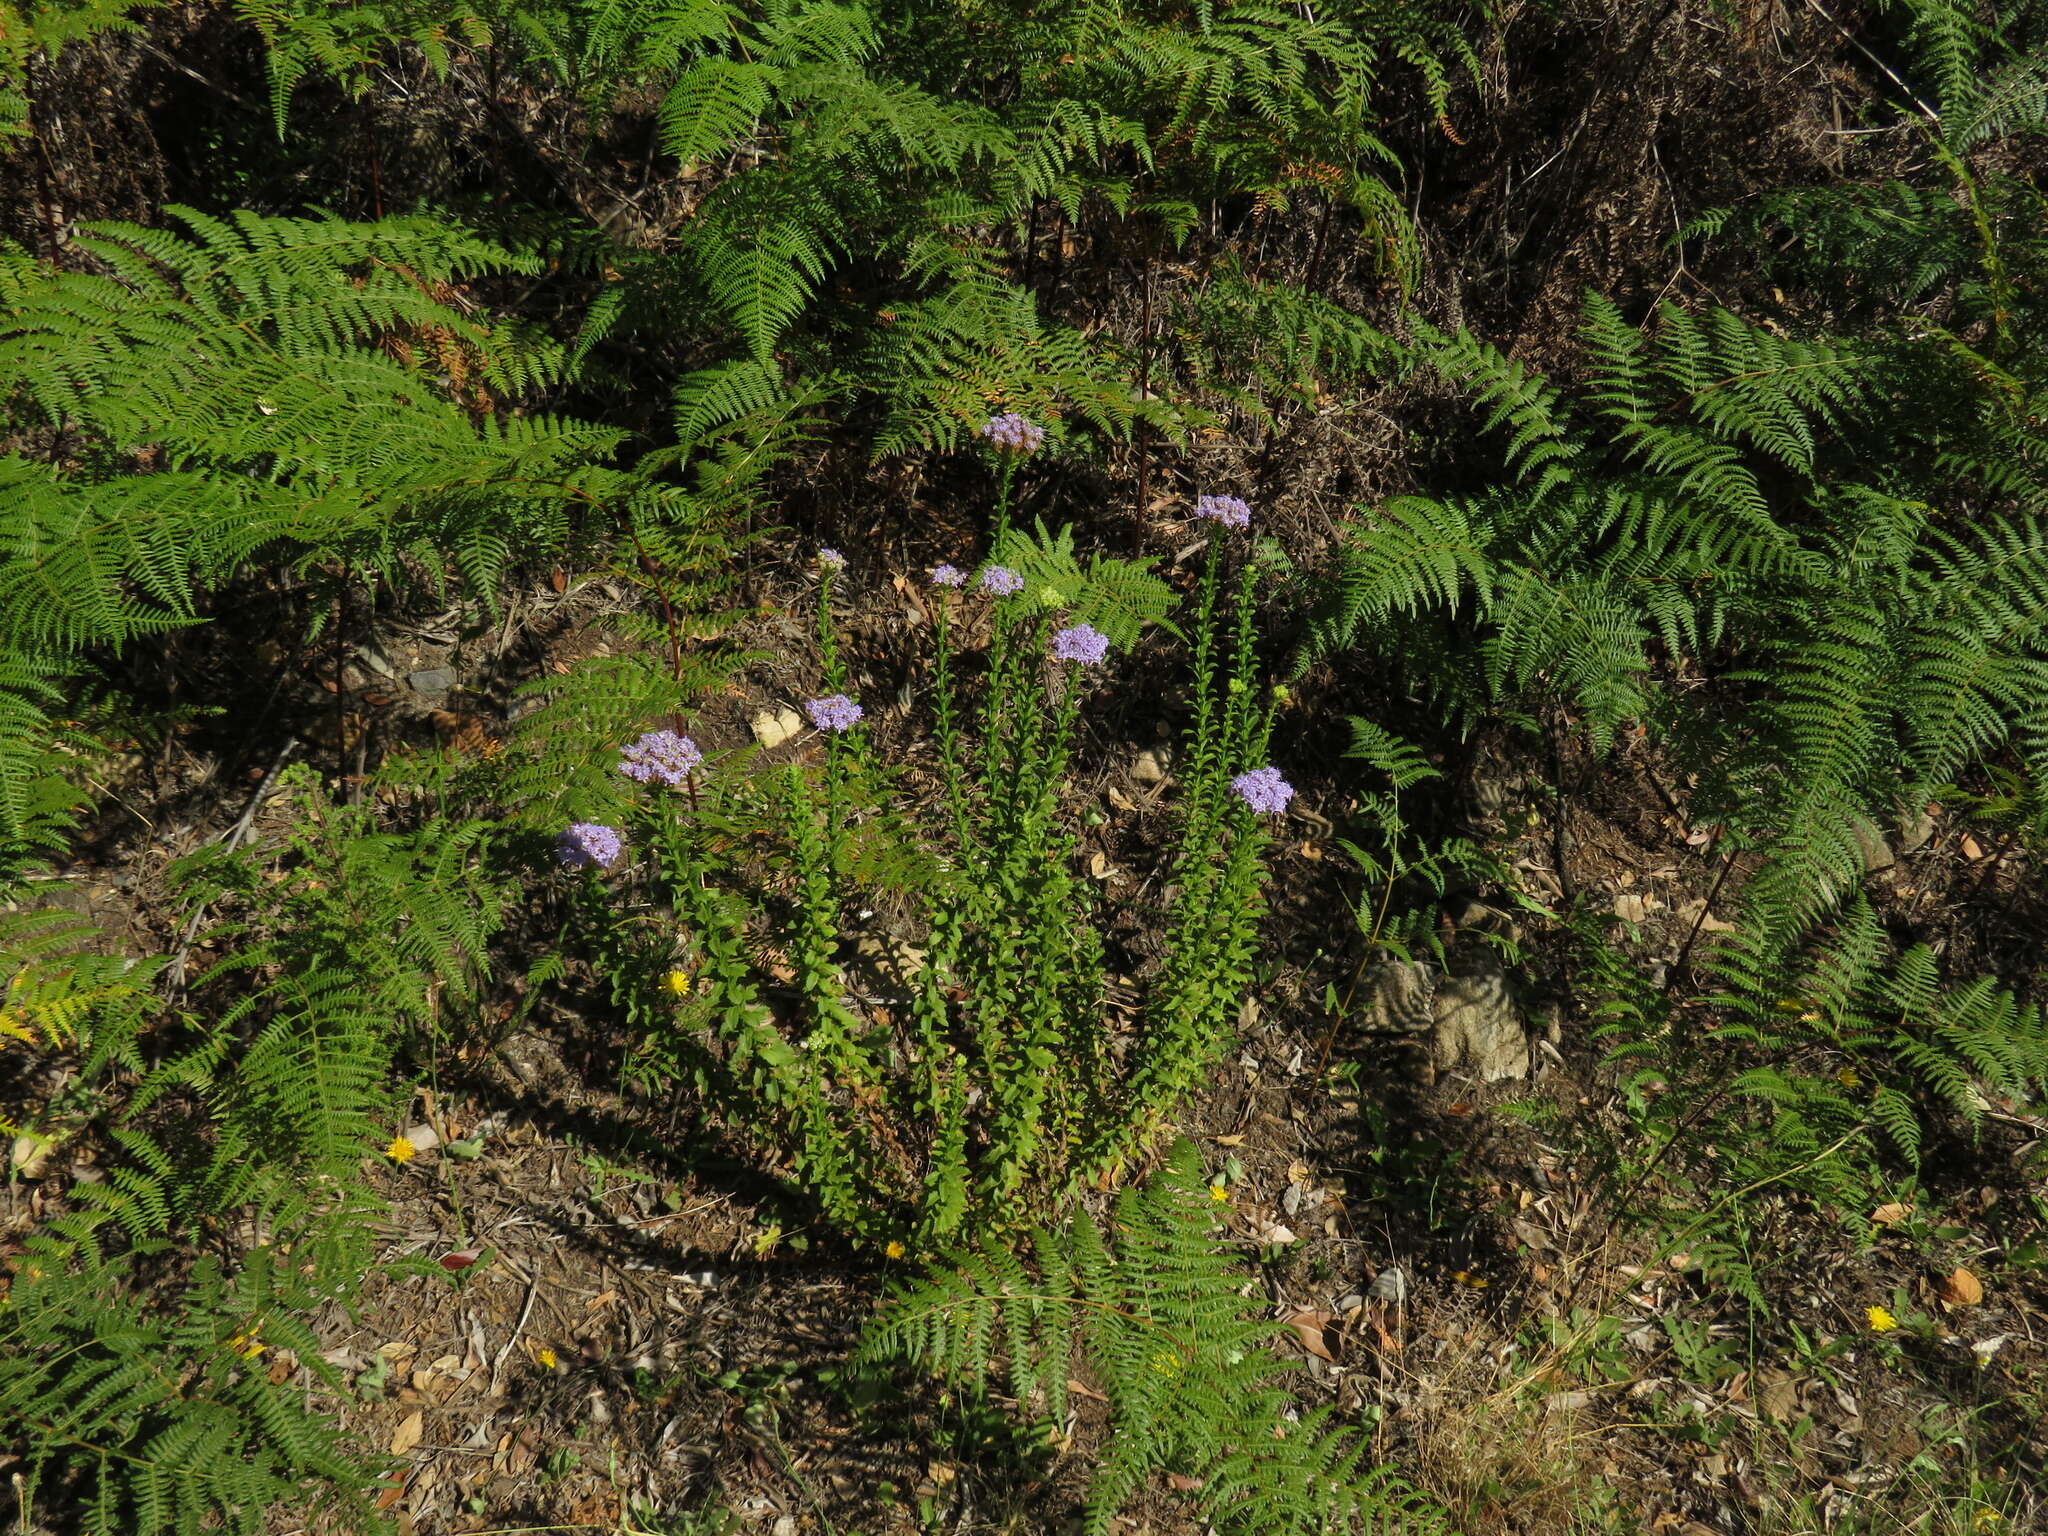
(1263, 790)
(1011, 433)
(1230, 511)
(1083, 643)
(948, 576)
(1000, 581)
(660, 755)
(831, 561)
(834, 713)
(589, 843)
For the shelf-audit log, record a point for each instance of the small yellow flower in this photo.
(247, 1344)
(679, 982)
(1881, 1321)
(894, 1250)
(547, 1359)
(1218, 1192)
(1848, 1078)
(401, 1150)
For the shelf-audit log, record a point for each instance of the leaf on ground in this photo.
(1892, 1213)
(1313, 1329)
(408, 1433)
(1962, 1289)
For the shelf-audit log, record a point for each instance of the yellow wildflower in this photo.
(894, 1250)
(547, 1359)
(1881, 1321)
(1218, 1192)
(679, 982)
(401, 1150)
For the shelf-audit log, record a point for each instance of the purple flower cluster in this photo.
(660, 755)
(834, 713)
(948, 576)
(831, 560)
(1263, 790)
(589, 843)
(1230, 511)
(1083, 643)
(1000, 581)
(1011, 433)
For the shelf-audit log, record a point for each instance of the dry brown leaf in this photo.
(1312, 1327)
(1778, 1394)
(1892, 1213)
(1082, 1389)
(408, 1433)
(455, 1263)
(1388, 1343)
(1180, 1482)
(1229, 1141)
(1972, 849)
(1961, 1288)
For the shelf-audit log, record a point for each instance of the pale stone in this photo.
(1399, 998)
(773, 727)
(1478, 1027)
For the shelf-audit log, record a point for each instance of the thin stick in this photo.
(498, 1365)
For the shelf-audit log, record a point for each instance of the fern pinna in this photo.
(1151, 1312)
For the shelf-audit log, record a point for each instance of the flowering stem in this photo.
(1007, 474)
(828, 645)
(948, 722)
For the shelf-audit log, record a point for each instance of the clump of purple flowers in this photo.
(949, 576)
(1011, 433)
(1263, 790)
(1230, 511)
(588, 843)
(660, 755)
(831, 560)
(1083, 643)
(835, 713)
(1000, 581)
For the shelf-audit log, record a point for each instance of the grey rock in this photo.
(1877, 852)
(433, 680)
(376, 661)
(1916, 827)
(1491, 796)
(1478, 1027)
(1400, 998)
(1150, 768)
